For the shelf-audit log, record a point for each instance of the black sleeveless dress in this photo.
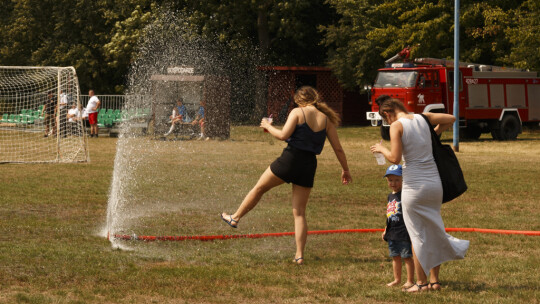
(298, 162)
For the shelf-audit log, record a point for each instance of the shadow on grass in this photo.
(475, 287)
(348, 260)
(481, 140)
(464, 286)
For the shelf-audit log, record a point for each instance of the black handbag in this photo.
(452, 179)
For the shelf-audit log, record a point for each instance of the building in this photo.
(283, 81)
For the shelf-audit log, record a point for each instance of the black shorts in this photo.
(295, 166)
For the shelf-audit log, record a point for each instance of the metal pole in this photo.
(456, 75)
(57, 114)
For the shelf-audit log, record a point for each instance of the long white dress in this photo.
(421, 198)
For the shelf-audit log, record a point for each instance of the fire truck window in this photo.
(422, 80)
(400, 79)
(436, 79)
(428, 80)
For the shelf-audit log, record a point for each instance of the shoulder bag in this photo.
(452, 179)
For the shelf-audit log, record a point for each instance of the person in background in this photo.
(395, 232)
(305, 131)
(410, 138)
(49, 114)
(178, 116)
(200, 119)
(73, 117)
(62, 110)
(92, 110)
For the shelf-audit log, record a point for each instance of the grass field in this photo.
(53, 218)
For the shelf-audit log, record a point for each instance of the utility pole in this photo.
(456, 75)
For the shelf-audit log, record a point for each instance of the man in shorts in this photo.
(92, 110)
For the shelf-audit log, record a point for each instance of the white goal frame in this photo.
(34, 100)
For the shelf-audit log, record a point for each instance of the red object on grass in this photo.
(277, 234)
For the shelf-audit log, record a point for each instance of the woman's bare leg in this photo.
(299, 202)
(421, 278)
(266, 182)
(434, 278)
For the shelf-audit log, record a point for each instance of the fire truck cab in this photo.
(491, 99)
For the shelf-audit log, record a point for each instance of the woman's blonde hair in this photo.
(307, 95)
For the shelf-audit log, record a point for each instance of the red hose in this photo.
(262, 235)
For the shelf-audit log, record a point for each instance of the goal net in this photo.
(41, 115)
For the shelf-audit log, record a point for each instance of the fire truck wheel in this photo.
(385, 133)
(495, 134)
(509, 128)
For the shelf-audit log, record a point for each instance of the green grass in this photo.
(52, 218)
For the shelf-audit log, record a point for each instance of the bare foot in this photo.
(393, 283)
(407, 285)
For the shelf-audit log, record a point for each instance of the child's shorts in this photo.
(400, 248)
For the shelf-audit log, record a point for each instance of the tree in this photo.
(67, 33)
(371, 31)
(524, 37)
(120, 51)
(286, 32)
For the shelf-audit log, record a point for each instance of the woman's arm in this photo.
(333, 138)
(287, 129)
(396, 146)
(441, 121)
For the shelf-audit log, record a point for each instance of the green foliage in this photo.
(72, 33)
(354, 37)
(524, 37)
(99, 38)
(371, 31)
(284, 31)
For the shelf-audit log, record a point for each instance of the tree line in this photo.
(353, 37)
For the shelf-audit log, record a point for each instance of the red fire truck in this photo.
(491, 99)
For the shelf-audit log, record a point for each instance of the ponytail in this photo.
(307, 95)
(331, 114)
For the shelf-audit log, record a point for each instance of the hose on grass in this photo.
(150, 238)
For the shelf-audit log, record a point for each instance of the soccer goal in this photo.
(41, 115)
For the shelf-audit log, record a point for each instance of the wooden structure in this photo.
(283, 81)
(215, 90)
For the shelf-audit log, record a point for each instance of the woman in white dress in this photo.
(410, 138)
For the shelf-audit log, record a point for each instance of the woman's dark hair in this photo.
(390, 105)
(379, 100)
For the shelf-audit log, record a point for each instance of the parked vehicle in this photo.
(491, 99)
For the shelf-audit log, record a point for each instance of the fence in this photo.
(115, 102)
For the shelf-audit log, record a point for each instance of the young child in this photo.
(395, 233)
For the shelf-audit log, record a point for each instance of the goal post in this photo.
(41, 116)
